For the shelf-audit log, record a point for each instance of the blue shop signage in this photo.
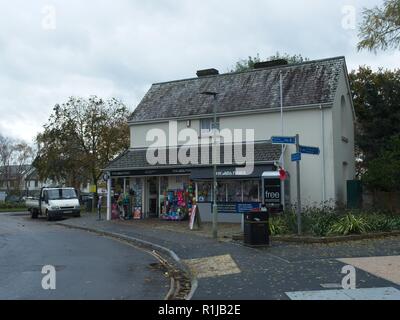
(238, 207)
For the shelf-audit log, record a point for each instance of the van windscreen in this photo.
(61, 194)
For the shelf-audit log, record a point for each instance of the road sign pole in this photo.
(298, 186)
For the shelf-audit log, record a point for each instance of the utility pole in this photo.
(298, 209)
(215, 206)
(214, 151)
(282, 123)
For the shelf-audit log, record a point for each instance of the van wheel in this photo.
(34, 214)
(49, 217)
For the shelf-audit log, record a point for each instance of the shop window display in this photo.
(178, 203)
(204, 191)
(136, 192)
(221, 192)
(234, 189)
(251, 191)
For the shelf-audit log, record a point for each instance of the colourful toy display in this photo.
(177, 204)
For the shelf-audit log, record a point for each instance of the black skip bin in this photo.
(256, 229)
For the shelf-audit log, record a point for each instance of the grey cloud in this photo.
(118, 48)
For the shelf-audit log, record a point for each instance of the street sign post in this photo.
(298, 209)
(310, 150)
(283, 140)
(296, 157)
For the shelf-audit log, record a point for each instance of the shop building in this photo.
(316, 102)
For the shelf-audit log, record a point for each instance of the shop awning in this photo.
(133, 162)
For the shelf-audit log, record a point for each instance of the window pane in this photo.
(250, 191)
(206, 124)
(221, 192)
(204, 191)
(234, 191)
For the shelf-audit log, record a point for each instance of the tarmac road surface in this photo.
(87, 266)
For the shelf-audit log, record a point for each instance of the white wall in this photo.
(343, 127)
(139, 132)
(308, 124)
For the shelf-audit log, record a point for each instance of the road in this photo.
(87, 266)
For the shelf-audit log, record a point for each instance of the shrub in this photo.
(321, 221)
(382, 223)
(277, 226)
(290, 220)
(11, 205)
(349, 224)
(322, 224)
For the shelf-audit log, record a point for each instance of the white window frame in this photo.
(208, 132)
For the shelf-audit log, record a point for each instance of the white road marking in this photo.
(358, 294)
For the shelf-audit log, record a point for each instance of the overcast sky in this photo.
(50, 50)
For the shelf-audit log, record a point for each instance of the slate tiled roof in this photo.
(313, 82)
(136, 158)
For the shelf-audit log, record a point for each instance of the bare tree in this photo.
(6, 153)
(15, 156)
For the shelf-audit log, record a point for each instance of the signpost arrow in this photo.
(296, 157)
(283, 140)
(310, 150)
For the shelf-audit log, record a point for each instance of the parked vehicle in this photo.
(3, 196)
(85, 197)
(14, 199)
(54, 203)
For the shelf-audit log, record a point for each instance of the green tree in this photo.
(376, 97)
(380, 28)
(248, 64)
(81, 137)
(383, 172)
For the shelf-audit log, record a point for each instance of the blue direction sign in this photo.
(284, 140)
(310, 150)
(296, 157)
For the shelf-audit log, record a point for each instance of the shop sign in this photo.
(150, 172)
(248, 207)
(227, 208)
(238, 207)
(272, 194)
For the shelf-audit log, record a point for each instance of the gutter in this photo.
(235, 113)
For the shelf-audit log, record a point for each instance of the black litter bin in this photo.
(89, 205)
(256, 229)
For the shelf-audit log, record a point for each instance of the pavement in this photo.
(227, 270)
(87, 266)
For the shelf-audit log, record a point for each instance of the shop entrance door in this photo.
(152, 192)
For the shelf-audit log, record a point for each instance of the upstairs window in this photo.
(206, 126)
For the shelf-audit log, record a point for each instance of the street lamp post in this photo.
(215, 206)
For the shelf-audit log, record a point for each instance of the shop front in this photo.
(166, 194)
(170, 194)
(236, 193)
